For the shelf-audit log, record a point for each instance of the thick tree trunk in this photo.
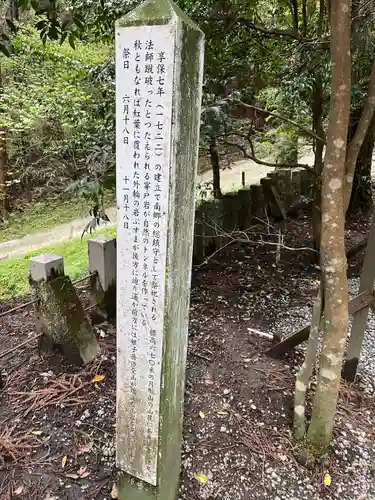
(333, 257)
(215, 162)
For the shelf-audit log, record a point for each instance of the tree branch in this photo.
(256, 27)
(252, 156)
(359, 136)
(283, 118)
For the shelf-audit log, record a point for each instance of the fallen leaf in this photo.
(72, 475)
(98, 378)
(202, 415)
(327, 480)
(37, 433)
(201, 478)
(222, 413)
(18, 491)
(63, 461)
(83, 472)
(114, 491)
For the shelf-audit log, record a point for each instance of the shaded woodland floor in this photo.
(57, 427)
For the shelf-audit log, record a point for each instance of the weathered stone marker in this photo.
(60, 316)
(159, 67)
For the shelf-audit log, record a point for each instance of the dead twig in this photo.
(201, 356)
(5, 313)
(9, 351)
(62, 390)
(16, 445)
(80, 280)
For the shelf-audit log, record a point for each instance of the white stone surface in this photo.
(102, 259)
(144, 80)
(44, 265)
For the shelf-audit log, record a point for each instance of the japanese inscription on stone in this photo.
(144, 77)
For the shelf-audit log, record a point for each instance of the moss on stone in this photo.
(63, 322)
(106, 300)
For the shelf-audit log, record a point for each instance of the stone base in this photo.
(63, 322)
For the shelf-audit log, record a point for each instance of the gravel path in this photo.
(50, 236)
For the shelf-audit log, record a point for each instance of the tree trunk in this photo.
(361, 196)
(318, 117)
(333, 257)
(14, 10)
(317, 109)
(13, 15)
(215, 162)
(3, 164)
(3, 173)
(358, 139)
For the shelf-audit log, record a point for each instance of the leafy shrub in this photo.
(53, 113)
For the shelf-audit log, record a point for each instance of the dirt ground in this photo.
(57, 426)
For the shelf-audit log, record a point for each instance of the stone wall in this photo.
(237, 211)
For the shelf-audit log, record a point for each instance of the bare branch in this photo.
(213, 254)
(252, 156)
(283, 118)
(250, 25)
(243, 237)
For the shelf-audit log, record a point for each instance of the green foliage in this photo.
(51, 110)
(214, 119)
(61, 114)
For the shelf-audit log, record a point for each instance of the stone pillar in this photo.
(46, 267)
(159, 68)
(59, 313)
(102, 261)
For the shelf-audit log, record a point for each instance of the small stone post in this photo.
(102, 261)
(59, 313)
(159, 68)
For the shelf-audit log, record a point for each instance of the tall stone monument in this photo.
(159, 68)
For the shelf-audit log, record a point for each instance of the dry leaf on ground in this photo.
(114, 491)
(18, 491)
